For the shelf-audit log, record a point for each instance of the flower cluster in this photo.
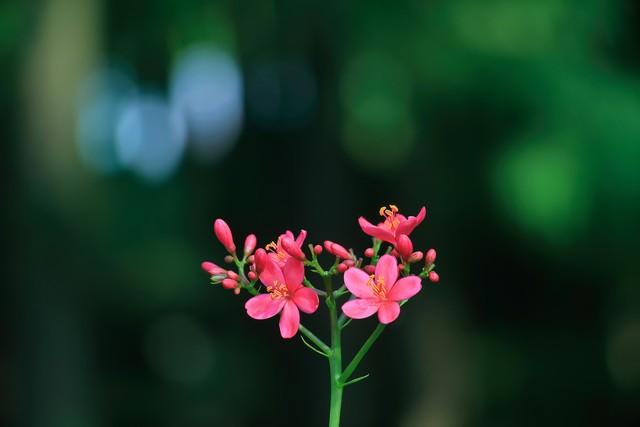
(278, 274)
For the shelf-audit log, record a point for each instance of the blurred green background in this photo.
(129, 126)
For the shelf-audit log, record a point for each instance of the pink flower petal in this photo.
(360, 308)
(263, 306)
(388, 312)
(406, 227)
(293, 272)
(377, 232)
(387, 268)
(306, 300)
(405, 288)
(271, 273)
(301, 237)
(357, 281)
(289, 320)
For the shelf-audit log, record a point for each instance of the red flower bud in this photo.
(212, 269)
(232, 275)
(291, 247)
(317, 249)
(404, 246)
(368, 252)
(228, 259)
(260, 258)
(327, 245)
(349, 262)
(370, 269)
(415, 257)
(251, 259)
(223, 233)
(434, 277)
(252, 275)
(236, 291)
(339, 251)
(342, 267)
(430, 258)
(229, 284)
(250, 244)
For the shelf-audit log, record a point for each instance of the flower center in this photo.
(275, 248)
(377, 286)
(278, 290)
(389, 214)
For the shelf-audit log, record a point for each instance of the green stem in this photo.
(317, 341)
(335, 358)
(353, 365)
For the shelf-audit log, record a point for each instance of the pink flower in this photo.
(379, 292)
(394, 224)
(278, 253)
(286, 295)
(223, 233)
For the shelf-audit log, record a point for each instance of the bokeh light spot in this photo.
(150, 138)
(207, 88)
(541, 185)
(515, 28)
(101, 98)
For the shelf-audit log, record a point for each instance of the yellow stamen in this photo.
(271, 247)
(278, 290)
(377, 286)
(390, 216)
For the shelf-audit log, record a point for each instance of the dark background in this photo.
(129, 126)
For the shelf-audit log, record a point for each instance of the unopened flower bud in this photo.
(236, 291)
(430, 257)
(394, 253)
(252, 275)
(317, 249)
(370, 269)
(251, 259)
(211, 268)
(291, 247)
(340, 251)
(228, 259)
(342, 267)
(217, 278)
(434, 277)
(260, 260)
(229, 283)
(327, 245)
(250, 244)
(415, 257)
(232, 275)
(400, 267)
(349, 262)
(404, 246)
(368, 252)
(223, 233)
